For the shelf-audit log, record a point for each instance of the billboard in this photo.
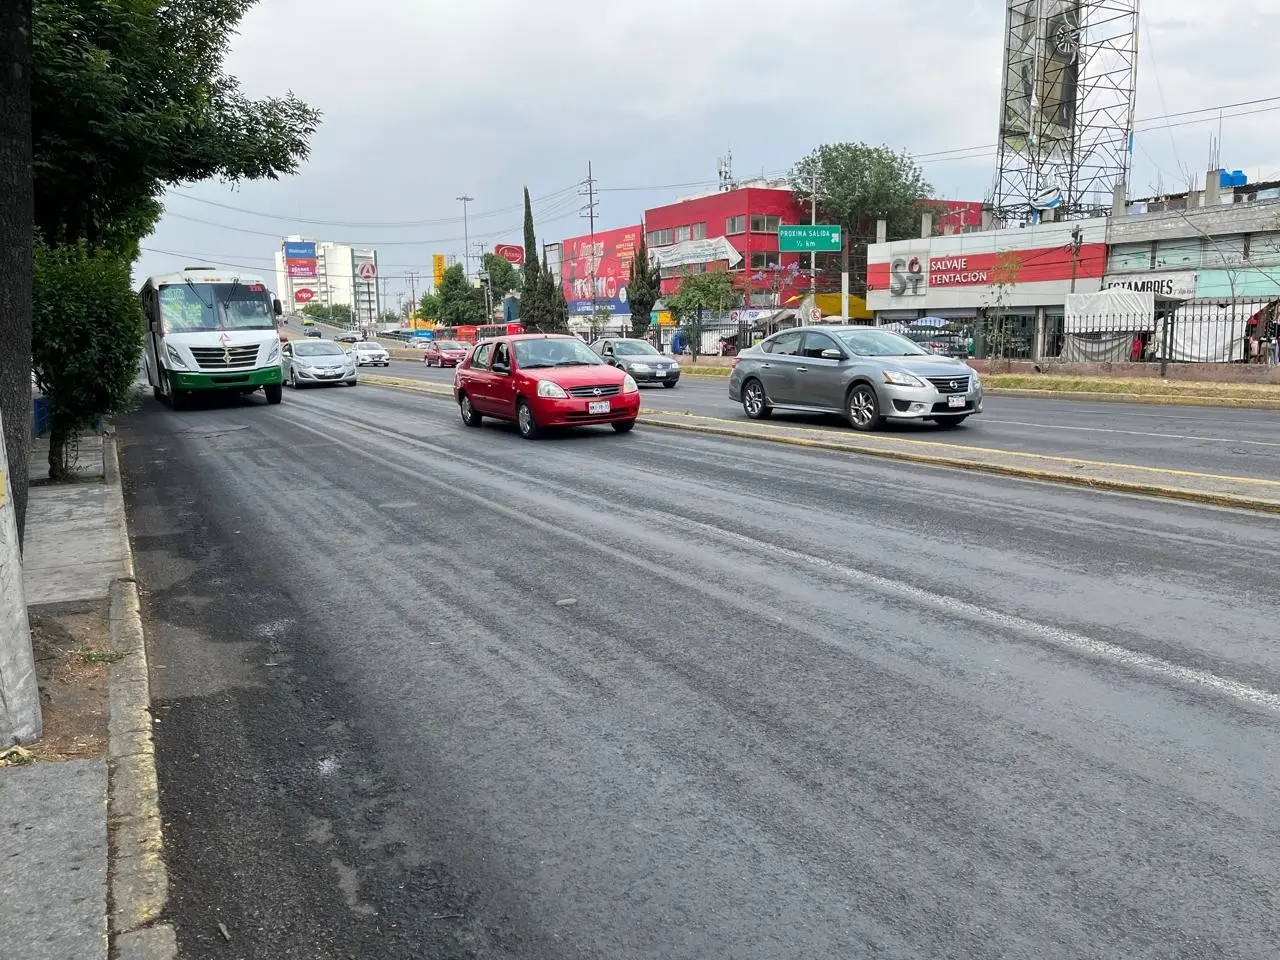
(300, 259)
(1038, 102)
(606, 260)
(437, 269)
(510, 252)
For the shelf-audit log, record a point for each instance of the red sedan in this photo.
(541, 381)
(445, 353)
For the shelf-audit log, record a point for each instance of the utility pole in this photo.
(466, 240)
(589, 211)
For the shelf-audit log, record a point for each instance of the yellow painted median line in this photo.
(854, 441)
(1028, 473)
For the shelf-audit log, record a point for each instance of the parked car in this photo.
(640, 359)
(347, 337)
(311, 362)
(370, 353)
(445, 353)
(942, 343)
(543, 381)
(864, 374)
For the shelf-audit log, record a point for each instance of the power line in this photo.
(387, 225)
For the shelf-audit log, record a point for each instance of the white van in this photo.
(209, 330)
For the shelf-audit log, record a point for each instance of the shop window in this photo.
(1129, 256)
(734, 225)
(764, 224)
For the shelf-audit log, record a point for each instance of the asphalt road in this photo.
(1244, 443)
(426, 691)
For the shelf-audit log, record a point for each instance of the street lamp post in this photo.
(466, 239)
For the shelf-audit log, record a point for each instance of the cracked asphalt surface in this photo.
(801, 704)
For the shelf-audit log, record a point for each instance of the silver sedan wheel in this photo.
(864, 413)
(753, 400)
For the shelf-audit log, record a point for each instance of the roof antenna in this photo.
(724, 170)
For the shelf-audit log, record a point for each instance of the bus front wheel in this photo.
(274, 392)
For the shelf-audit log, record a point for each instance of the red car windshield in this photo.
(555, 352)
(450, 345)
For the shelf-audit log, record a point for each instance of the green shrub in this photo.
(86, 341)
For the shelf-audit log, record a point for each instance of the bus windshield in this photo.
(195, 307)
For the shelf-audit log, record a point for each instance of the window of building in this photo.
(1223, 251)
(734, 225)
(1264, 248)
(1129, 256)
(763, 224)
(700, 231)
(682, 234)
(764, 259)
(1177, 253)
(661, 238)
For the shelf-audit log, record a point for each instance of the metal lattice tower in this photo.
(1066, 106)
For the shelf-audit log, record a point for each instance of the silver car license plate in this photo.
(956, 400)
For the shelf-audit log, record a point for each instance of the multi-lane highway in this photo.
(1217, 440)
(426, 691)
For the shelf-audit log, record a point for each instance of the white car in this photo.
(370, 353)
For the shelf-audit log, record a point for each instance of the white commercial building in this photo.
(332, 274)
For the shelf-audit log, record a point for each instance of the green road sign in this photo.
(809, 238)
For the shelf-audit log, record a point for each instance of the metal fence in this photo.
(1192, 331)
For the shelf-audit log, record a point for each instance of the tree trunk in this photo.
(17, 214)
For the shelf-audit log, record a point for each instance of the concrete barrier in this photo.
(20, 720)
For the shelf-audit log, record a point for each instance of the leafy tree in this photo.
(697, 294)
(429, 306)
(644, 288)
(533, 308)
(133, 92)
(461, 303)
(599, 320)
(857, 185)
(339, 313)
(15, 246)
(998, 338)
(504, 276)
(87, 341)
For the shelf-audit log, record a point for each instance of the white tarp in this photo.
(19, 697)
(1081, 349)
(1111, 311)
(689, 252)
(1206, 338)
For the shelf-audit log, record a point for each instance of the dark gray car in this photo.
(864, 374)
(640, 359)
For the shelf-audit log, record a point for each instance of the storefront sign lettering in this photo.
(906, 277)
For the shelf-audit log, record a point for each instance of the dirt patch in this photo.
(72, 645)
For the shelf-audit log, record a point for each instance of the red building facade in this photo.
(748, 218)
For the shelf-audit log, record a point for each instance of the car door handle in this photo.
(766, 366)
(802, 369)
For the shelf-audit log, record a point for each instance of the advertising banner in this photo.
(300, 259)
(437, 269)
(510, 252)
(1180, 285)
(689, 252)
(604, 260)
(1041, 69)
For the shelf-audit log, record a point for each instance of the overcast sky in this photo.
(424, 102)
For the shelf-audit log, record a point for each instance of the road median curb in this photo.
(1158, 399)
(139, 878)
(1001, 463)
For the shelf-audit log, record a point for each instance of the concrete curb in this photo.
(1026, 473)
(138, 877)
(650, 418)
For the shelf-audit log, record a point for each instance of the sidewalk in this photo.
(81, 866)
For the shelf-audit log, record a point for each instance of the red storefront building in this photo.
(745, 221)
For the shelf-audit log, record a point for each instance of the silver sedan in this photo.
(310, 362)
(864, 374)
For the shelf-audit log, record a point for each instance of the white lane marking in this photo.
(1099, 649)
(1132, 433)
